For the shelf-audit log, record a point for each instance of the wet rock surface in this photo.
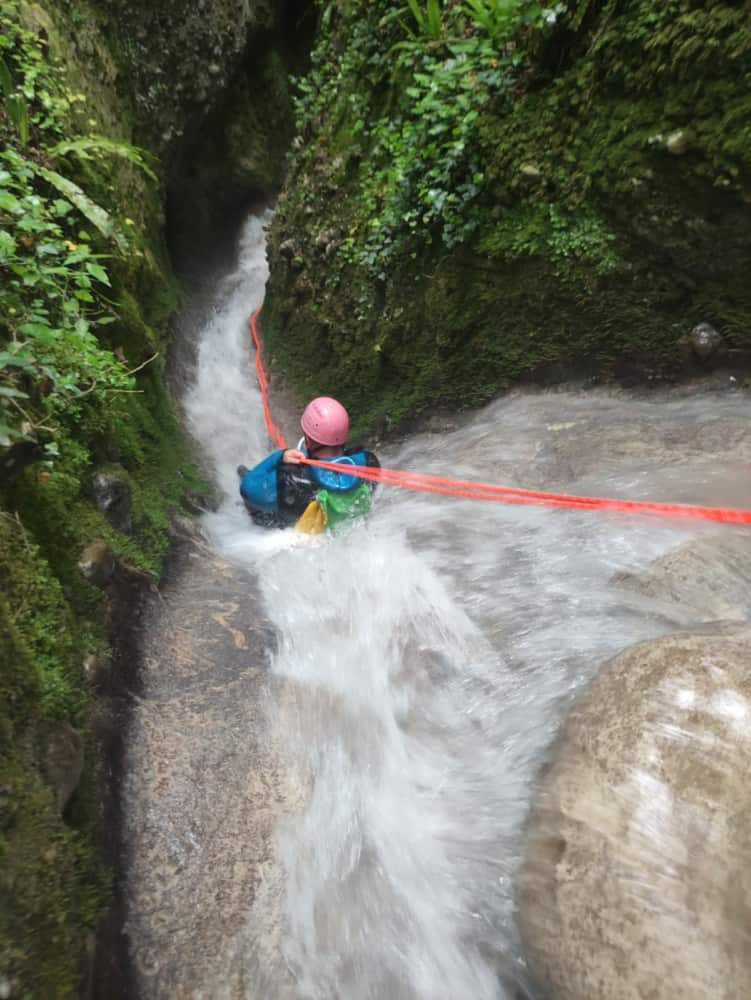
(704, 580)
(63, 761)
(181, 55)
(97, 563)
(211, 792)
(112, 497)
(205, 785)
(705, 341)
(636, 881)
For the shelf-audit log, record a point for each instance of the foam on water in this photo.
(431, 654)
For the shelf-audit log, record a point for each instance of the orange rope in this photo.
(274, 433)
(489, 492)
(511, 494)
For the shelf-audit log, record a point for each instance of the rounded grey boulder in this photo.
(637, 878)
(705, 341)
(112, 497)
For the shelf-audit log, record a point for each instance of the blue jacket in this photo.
(258, 487)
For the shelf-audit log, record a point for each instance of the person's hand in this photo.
(293, 456)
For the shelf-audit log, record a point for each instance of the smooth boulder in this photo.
(703, 580)
(637, 879)
(112, 496)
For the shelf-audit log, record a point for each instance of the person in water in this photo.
(281, 492)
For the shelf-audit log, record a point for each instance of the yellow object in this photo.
(313, 520)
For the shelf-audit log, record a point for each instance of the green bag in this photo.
(339, 507)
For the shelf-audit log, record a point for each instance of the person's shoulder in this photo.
(361, 455)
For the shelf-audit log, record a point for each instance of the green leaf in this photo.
(6, 81)
(93, 212)
(7, 245)
(18, 112)
(59, 269)
(7, 434)
(434, 18)
(9, 202)
(40, 332)
(79, 254)
(7, 392)
(98, 272)
(61, 207)
(8, 359)
(416, 11)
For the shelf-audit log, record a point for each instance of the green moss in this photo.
(142, 438)
(20, 682)
(52, 887)
(51, 884)
(39, 611)
(578, 243)
(595, 249)
(50, 619)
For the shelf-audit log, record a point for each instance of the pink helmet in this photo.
(325, 421)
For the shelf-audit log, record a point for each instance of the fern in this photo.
(18, 113)
(90, 146)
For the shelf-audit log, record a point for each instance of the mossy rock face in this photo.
(238, 158)
(52, 621)
(51, 881)
(179, 56)
(614, 215)
(53, 743)
(259, 124)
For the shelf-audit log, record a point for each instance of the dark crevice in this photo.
(235, 160)
(111, 976)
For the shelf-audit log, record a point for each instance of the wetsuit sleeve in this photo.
(258, 485)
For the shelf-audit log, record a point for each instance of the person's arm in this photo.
(258, 485)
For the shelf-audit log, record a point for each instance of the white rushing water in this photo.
(432, 652)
